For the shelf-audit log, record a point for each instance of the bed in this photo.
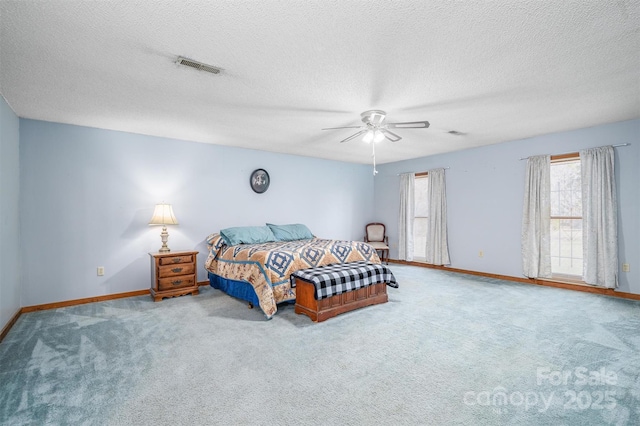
(259, 272)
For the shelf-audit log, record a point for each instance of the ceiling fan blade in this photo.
(361, 132)
(390, 135)
(346, 127)
(409, 125)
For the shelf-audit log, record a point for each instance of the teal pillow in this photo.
(247, 235)
(293, 232)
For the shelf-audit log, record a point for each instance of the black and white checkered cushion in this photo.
(343, 277)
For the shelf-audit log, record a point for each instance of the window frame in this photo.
(555, 159)
(421, 175)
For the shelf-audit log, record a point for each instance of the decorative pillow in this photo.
(247, 235)
(293, 232)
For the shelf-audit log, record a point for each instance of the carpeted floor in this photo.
(447, 349)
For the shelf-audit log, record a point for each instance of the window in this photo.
(420, 220)
(566, 217)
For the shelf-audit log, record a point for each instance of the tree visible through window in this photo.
(566, 217)
(420, 220)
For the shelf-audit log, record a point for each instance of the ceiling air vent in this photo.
(197, 65)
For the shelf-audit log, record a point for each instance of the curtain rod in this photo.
(446, 168)
(564, 153)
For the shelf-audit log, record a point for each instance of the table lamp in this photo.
(163, 215)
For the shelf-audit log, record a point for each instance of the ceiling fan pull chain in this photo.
(373, 147)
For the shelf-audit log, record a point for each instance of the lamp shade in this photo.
(163, 215)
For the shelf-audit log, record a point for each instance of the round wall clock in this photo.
(259, 180)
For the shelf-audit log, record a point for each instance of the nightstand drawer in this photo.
(173, 270)
(176, 282)
(176, 259)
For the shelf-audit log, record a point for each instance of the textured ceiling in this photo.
(495, 70)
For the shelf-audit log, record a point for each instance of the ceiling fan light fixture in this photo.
(368, 137)
(373, 136)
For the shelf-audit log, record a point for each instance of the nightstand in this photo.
(173, 274)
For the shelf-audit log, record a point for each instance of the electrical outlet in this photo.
(480, 253)
(100, 271)
(625, 267)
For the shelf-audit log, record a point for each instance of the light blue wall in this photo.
(9, 213)
(485, 191)
(88, 194)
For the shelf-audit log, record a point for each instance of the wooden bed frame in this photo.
(320, 310)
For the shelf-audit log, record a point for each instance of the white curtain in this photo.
(536, 218)
(437, 250)
(599, 217)
(405, 220)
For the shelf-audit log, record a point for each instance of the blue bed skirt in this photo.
(239, 289)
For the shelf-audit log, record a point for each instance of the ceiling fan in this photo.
(375, 129)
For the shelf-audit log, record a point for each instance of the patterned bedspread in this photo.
(268, 266)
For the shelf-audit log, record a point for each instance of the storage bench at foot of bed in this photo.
(323, 309)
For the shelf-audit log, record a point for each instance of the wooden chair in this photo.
(376, 236)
